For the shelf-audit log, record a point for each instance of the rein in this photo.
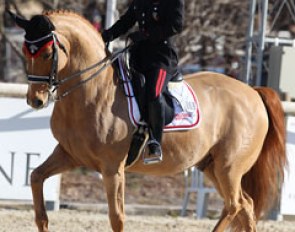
(105, 62)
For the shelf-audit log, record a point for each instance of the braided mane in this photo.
(68, 13)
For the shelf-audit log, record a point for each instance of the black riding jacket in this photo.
(159, 21)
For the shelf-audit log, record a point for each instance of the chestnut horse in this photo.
(240, 142)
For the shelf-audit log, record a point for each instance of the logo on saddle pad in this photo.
(186, 107)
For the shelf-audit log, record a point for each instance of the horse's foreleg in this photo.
(58, 162)
(114, 182)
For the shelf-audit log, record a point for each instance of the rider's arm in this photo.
(171, 23)
(125, 22)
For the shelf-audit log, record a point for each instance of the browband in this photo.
(35, 47)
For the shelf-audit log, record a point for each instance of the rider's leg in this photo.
(156, 122)
(156, 82)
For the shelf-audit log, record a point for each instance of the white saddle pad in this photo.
(186, 107)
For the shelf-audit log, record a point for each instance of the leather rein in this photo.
(52, 79)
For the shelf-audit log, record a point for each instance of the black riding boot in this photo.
(156, 122)
(138, 143)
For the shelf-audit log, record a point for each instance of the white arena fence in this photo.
(13, 90)
(25, 142)
(193, 178)
(20, 90)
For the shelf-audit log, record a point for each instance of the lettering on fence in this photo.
(25, 142)
(8, 175)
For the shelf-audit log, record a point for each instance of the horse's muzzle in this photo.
(36, 103)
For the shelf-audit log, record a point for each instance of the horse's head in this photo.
(45, 56)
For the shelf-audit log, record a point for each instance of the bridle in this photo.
(52, 80)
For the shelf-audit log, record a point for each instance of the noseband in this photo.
(52, 79)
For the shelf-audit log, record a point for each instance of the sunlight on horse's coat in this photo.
(240, 143)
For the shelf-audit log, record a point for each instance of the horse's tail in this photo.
(264, 179)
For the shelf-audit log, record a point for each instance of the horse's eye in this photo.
(47, 56)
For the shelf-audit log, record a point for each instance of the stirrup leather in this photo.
(138, 144)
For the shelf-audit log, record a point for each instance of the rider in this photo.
(153, 54)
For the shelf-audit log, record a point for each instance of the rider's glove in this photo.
(107, 36)
(137, 36)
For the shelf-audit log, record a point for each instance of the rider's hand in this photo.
(106, 36)
(137, 36)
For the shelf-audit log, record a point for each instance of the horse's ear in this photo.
(20, 21)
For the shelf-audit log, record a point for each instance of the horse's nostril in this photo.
(37, 103)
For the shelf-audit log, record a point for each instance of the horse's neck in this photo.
(98, 110)
(99, 101)
(96, 93)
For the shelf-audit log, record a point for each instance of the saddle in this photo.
(138, 84)
(180, 102)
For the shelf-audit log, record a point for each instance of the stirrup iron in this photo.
(154, 159)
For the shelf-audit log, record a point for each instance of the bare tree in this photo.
(214, 31)
(6, 22)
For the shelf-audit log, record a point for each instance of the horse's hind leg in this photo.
(238, 204)
(210, 173)
(243, 221)
(229, 180)
(58, 162)
(246, 216)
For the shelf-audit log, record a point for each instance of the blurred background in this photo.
(214, 37)
(234, 37)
